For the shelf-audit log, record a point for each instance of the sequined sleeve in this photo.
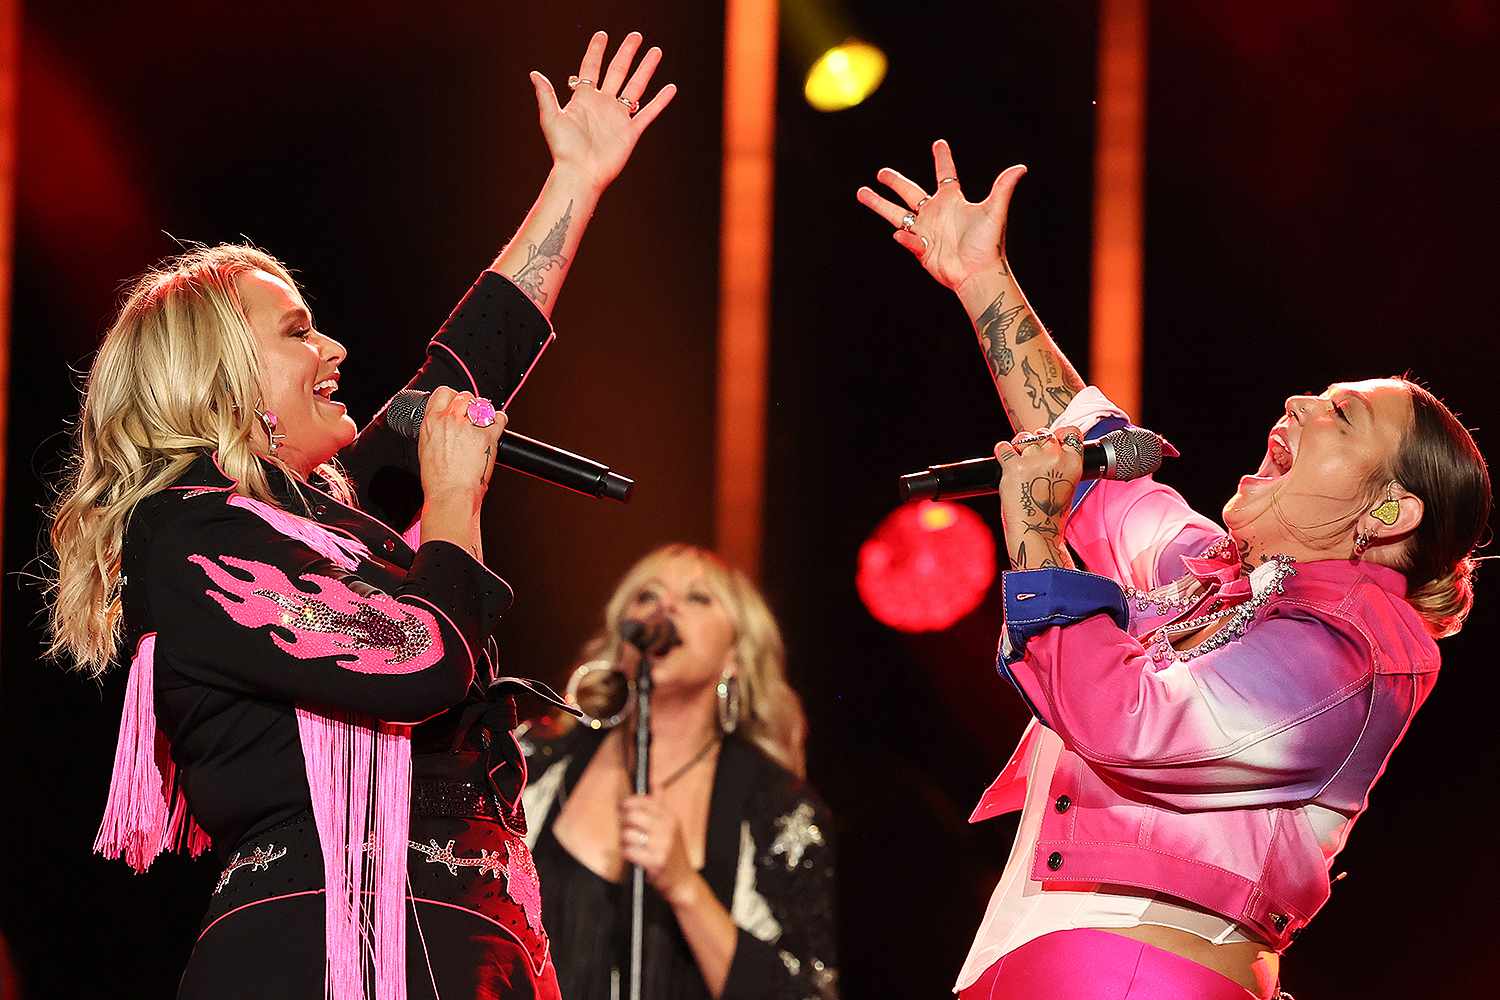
(487, 346)
(250, 598)
(785, 907)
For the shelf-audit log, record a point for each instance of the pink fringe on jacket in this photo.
(344, 552)
(137, 823)
(360, 777)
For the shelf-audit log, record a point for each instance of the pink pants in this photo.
(1097, 965)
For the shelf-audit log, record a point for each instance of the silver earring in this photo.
(1361, 542)
(268, 421)
(728, 690)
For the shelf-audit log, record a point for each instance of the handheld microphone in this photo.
(535, 458)
(1128, 453)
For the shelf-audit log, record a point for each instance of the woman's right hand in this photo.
(457, 458)
(953, 237)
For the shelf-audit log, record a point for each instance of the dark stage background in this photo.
(1320, 206)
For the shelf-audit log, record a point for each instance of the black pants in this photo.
(466, 937)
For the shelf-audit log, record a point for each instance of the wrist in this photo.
(581, 187)
(456, 503)
(977, 290)
(686, 892)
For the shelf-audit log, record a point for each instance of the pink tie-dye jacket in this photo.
(1230, 779)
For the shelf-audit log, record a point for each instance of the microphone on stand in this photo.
(650, 637)
(1128, 453)
(535, 458)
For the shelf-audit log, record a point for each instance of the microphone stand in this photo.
(642, 787)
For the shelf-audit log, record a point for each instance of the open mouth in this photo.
(324, 391)
(1279, 457)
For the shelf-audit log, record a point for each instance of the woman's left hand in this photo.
(595, 132)
(651, 836)
(1039, 472)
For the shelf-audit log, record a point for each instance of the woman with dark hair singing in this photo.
(311, 692)
(1212, 704)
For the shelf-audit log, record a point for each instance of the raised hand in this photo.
(596, 131)
(953, 238)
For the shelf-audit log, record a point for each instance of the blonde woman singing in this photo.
(310, 696)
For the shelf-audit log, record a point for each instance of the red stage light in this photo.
(926, 566)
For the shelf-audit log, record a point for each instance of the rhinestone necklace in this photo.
(1240, 615)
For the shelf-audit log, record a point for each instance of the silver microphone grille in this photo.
(1134, 453)
(403, 414)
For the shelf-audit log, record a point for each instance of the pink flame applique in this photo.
(344, 552)
(374, 634)
(522, 883)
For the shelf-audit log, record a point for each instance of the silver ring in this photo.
(1031, 439)
(920, 202)
(574, 82)
(947, 180)
(908, 221)
(631, 104)
(1073, 441)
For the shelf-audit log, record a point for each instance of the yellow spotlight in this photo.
(844, 75)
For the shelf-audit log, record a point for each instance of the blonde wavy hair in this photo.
(176, 378)
(770, 713)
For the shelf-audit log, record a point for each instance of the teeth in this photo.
(326, 387)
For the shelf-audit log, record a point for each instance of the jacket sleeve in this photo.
(1264, 720)
(786, 949)
(246, 597)
(488, 346)
(1133, 532)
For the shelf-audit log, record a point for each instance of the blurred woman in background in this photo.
(738, 848)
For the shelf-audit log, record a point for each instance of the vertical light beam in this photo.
(1119, 204)
(745, 277)
(10, 72)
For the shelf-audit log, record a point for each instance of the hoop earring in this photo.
(728, 690)
(1361, 543)
(570, 694)
(268, 421)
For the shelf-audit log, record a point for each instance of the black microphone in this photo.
(650, 635)
(1128, 453)
(404, 413)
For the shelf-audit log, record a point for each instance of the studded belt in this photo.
(453, 798)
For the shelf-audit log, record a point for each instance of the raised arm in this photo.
(962, 245)
(590, 138)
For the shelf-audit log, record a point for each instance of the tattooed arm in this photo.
(539, 256)
(962, 244)
(590, 139)
(1034, 378)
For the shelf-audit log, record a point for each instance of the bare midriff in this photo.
(1249, 963)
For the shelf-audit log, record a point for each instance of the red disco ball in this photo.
(926, 566)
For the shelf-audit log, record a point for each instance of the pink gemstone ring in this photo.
(481, 412)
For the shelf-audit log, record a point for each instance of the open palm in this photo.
(953, 237)
(597, 130)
